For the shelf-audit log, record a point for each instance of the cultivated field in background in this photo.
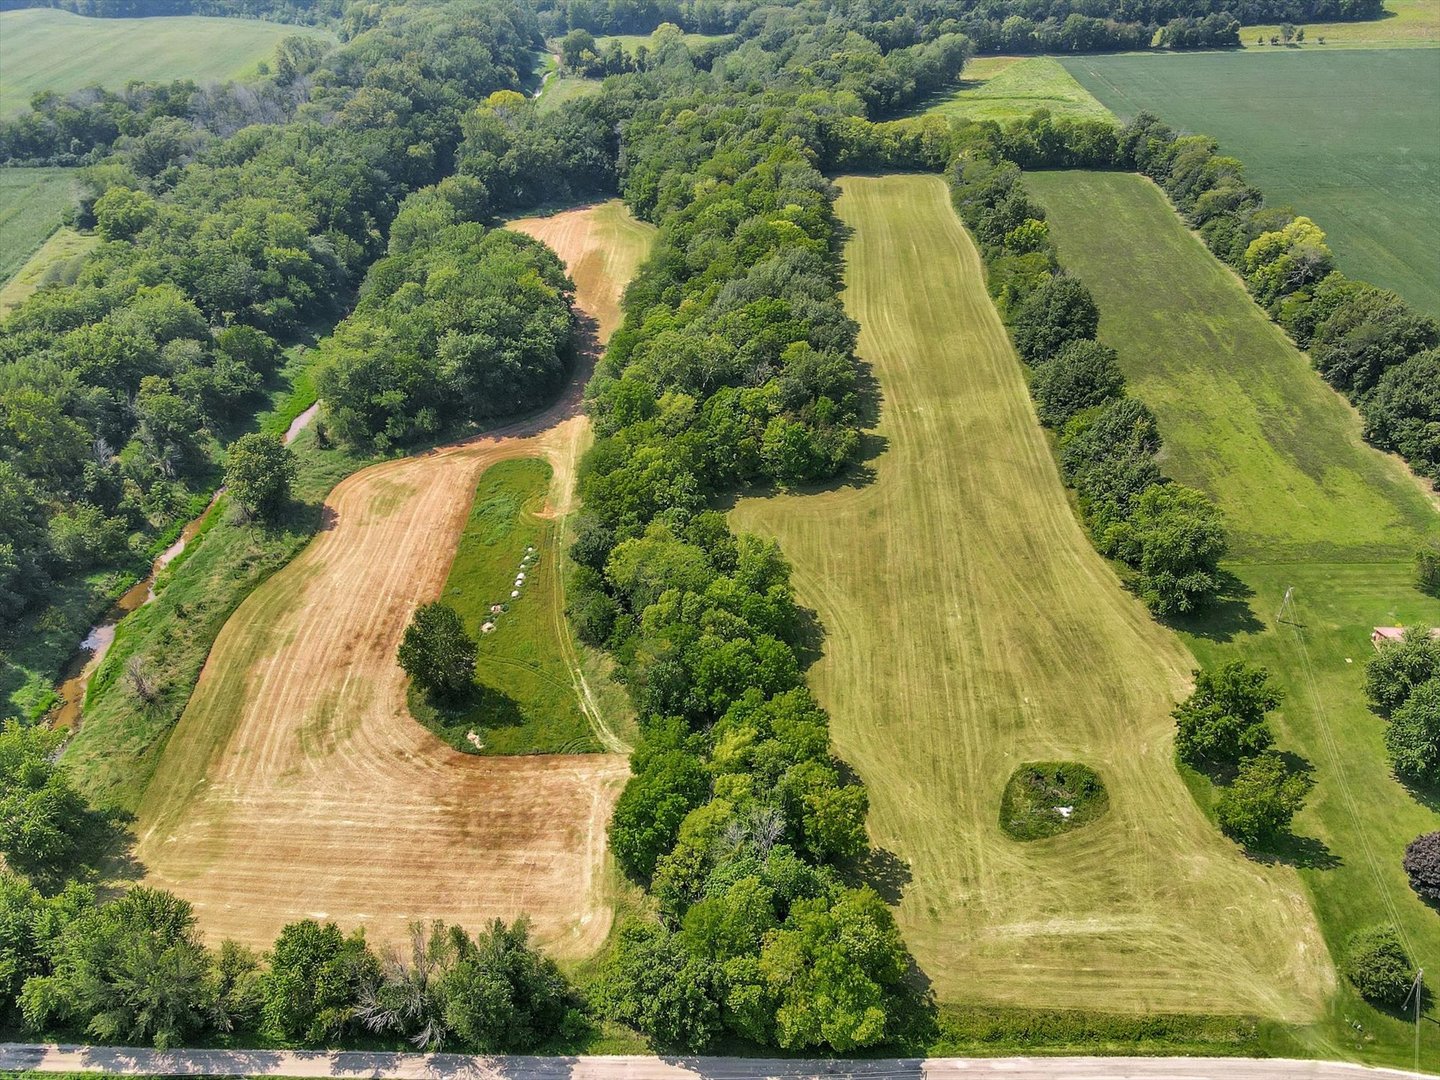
(296, 783)
(1349, 138)
(1309, 505)
(44, 49)
(970, 627)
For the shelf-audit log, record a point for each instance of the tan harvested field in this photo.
(297, 784)
(970, 627)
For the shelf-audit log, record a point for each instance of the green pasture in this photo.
(1348, 138)
(32, 203)
(57, 260)
(1309, 506)
(44, 49)
(1005, 87)
(525, 698)
(970, 627)
(560, 89)
(1407, 24)
(630, 42)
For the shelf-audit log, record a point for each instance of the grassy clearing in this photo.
(58, 260)
(630, 42)
(525, 701)
(1005, 87)
(1407, 24)
(1246, 419)
(971, 627)
(560, 89)
(43, 49)
(32, 202)
(1349, 138)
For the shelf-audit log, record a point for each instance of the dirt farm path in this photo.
(970, 627)
(296, 784)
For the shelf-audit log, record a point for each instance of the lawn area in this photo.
(1246, 419)
(525, 701)
(631, 42)
(44, 49)
(1407, 24)
(1004, 87)
(971, 628)
(31, 204)
(1349, 138)
(560, 89)
(57, 260)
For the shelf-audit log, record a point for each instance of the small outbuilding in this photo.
(1389, 635)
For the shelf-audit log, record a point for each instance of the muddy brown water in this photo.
(75, 676)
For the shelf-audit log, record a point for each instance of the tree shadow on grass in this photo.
(1227, 615)
(482, 708)
(104, 856)
(884, 871)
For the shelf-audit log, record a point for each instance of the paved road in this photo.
(360, 1064)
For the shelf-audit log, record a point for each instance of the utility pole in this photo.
(1417, 991)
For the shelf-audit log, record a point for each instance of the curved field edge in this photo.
(970, 627)
(259, 740)
(1246, 418)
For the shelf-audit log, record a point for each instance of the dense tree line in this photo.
(995, 26)
(215, 253)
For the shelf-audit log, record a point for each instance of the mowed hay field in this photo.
(44, 49)
(296, 783)
(1308, 505)
(971, 627)
(31, 204)
(1407, 24)
(1005, 87)
(1350, 138)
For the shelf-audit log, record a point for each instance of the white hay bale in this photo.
(514, 594)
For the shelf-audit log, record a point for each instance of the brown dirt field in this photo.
(296, 784)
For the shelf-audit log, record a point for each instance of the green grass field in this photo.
(1407, 24)
(31, 204)
(1246, 419)
(631, 42)
(58, 259)
(43, 49)
(1004, 87)
(526, 700)
(970, 628)
(1349, 138)
(560, 89)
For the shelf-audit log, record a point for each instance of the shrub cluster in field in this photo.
(1403, 682)
(1045, 798)
(1221, 729)
(1366, 341)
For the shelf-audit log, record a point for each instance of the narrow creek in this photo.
(75, 676)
